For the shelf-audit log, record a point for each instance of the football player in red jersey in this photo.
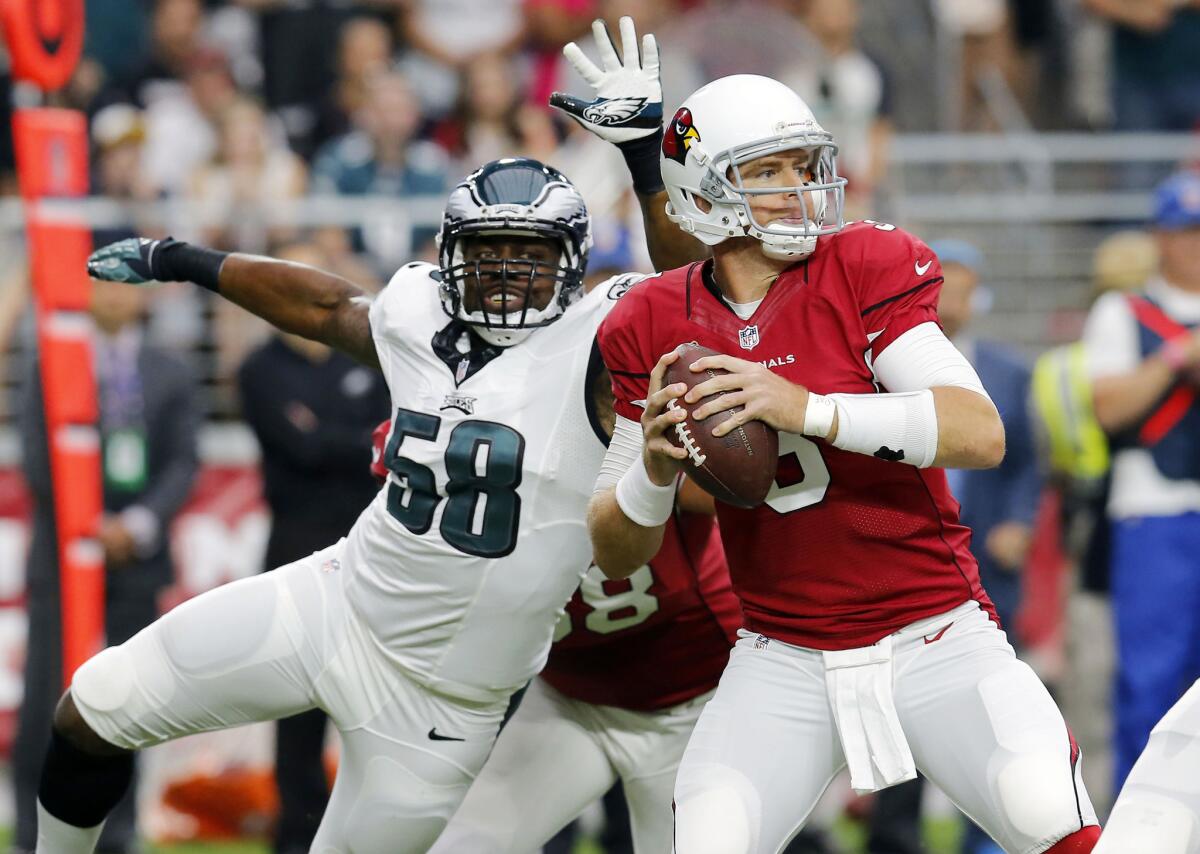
(868, 639)
(633, 663)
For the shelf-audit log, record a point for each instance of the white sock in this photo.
(55, 836)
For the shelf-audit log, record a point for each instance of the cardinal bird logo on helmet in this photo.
(679, 136)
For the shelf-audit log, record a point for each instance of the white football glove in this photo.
(628, 104)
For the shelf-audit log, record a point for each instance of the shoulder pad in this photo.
(869, 229)
(416, 271)
(881, 246)
(618, 286)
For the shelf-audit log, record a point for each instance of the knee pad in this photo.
(1037, 794)
(104, 682)
(154, 686)
(1035, 767)
(123, 687)
(1148, 823)
(717, 811)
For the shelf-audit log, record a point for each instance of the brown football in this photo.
(737, 468)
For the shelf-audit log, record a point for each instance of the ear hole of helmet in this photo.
(711, 187)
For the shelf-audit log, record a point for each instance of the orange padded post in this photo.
(59, 254)
(66, 368)
(52, 163)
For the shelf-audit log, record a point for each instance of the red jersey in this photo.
(847, 548)
(656, 639)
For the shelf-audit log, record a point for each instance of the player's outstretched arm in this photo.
(293, 297)
(635, 493)
(627, 110)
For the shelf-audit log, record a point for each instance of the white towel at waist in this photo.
(859, 685)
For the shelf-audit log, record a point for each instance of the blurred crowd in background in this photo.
(244, 124)
(240, 109)
(243, 108)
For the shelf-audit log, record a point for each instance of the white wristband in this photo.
(643, 500)
(818, 415)
(896, 427)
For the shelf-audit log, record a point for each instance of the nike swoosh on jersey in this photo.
(922, 269)
(641, 403)
(435, 736)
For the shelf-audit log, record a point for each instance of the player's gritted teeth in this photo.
(502, 298)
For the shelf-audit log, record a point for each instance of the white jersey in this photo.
(1158, 811)
(463, 562)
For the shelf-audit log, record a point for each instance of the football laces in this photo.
(685, 438)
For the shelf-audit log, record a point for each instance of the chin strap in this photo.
(806, 247)
(502, 337)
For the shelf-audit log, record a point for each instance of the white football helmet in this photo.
(727, 123)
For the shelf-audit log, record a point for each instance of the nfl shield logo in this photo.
(748, 337)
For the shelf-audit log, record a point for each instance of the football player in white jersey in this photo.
(414, 631)
(1158, 811)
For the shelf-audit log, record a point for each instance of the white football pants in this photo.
(280, 643)
(979, 723)
(1158, 811)
(556, 756)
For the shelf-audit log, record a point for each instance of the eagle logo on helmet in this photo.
(614, 111)
(679, 136)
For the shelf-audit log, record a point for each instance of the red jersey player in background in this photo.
(868, 639)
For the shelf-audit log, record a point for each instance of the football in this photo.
(737, 468)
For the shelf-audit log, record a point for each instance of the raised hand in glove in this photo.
(627, 109)
(139, 261)
(125, 261)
